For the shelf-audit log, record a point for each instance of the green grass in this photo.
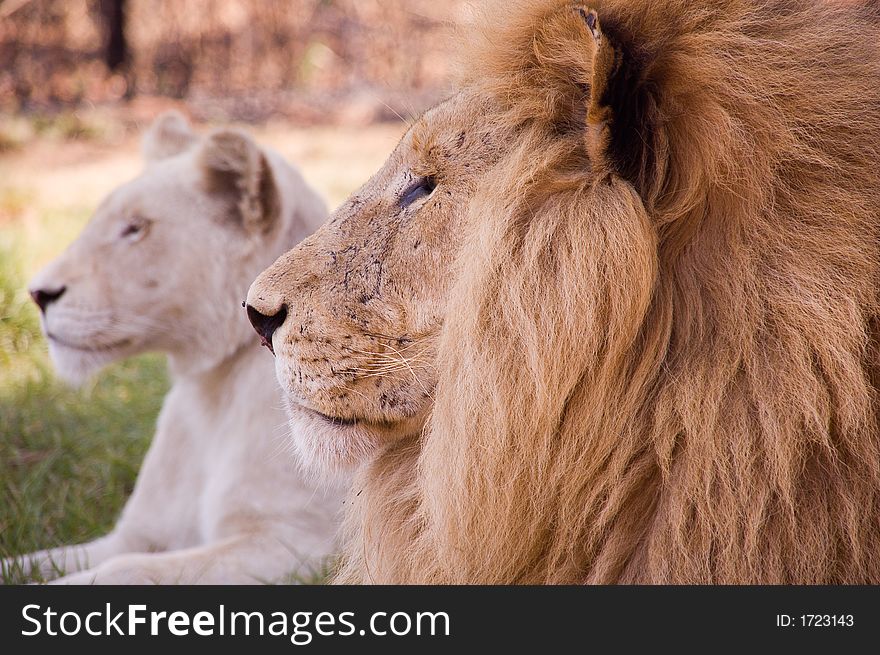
(68, 457)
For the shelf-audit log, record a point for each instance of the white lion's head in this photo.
(166, 260)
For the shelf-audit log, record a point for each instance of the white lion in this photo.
(163, 266)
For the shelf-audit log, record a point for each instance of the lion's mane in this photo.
(661, 366)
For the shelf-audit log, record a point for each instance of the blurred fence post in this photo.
(117, 55)
(113, 15)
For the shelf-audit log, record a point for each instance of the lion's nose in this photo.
(266, 325)
(45, 297)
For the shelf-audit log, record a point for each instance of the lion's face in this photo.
(365, 296)
(114, 279)
(162, 265)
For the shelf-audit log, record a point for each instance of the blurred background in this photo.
(329, 83)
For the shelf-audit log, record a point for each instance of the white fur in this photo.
(218, 498)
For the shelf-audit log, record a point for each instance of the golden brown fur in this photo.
(657, 360)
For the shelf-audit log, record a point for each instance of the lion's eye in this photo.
(135, 229)
(421, 188)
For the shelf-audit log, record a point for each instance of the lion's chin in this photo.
(331, 449)
(76, 365)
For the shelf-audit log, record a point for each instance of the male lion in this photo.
(163, 265)
(610, 313)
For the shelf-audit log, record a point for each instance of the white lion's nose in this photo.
(45, 297)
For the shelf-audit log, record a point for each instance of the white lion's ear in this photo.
(235, 167)
(169, 135)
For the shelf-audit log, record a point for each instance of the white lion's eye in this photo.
(135, 229)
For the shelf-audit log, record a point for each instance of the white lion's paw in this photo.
(124, 570)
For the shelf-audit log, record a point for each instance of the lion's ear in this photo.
(169, 135)
(622, 112)
(235, 167)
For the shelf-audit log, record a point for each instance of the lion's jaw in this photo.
(330, 448)
(76, 359)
